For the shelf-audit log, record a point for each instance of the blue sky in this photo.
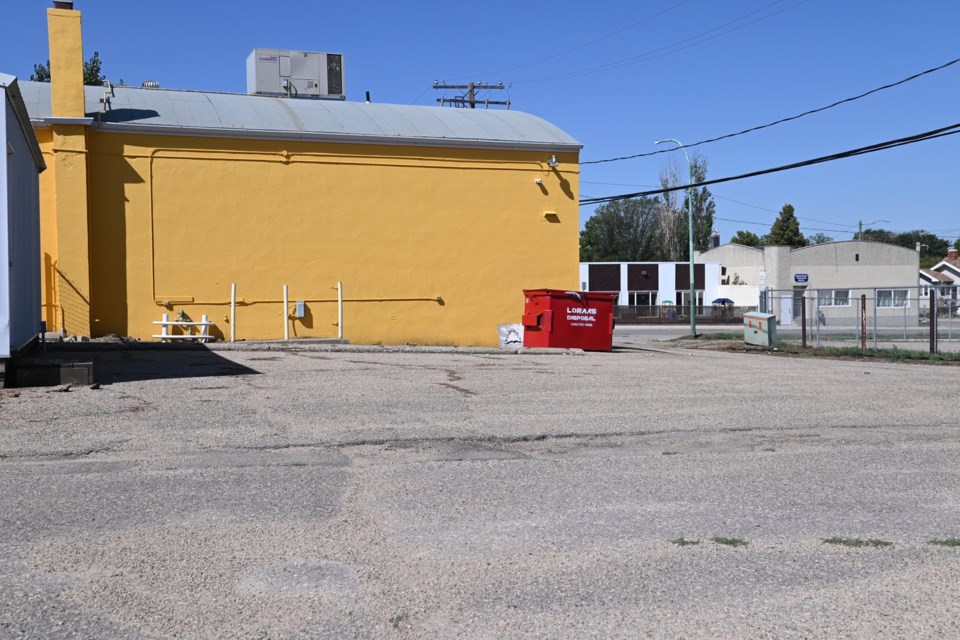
(631, 72)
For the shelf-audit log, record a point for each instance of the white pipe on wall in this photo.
(233, 312)
(286, 313)
(339, 310)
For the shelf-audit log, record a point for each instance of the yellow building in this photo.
(157, 201)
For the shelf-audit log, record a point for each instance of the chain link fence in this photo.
(676, 314)
(918, 317)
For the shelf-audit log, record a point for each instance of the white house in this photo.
(945, 276)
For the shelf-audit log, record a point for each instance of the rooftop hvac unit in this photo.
(295, 74)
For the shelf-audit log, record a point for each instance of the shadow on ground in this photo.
(124, 363)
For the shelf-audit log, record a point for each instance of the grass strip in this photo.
(730, 542)
(683, 542)
(947, 542)
(857, 542)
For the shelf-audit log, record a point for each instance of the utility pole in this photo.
(860, 230)
(469, 99)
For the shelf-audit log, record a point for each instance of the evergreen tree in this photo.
(786, 230)
(91, 71)
(747, 239)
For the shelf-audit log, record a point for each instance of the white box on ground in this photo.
(760, 328)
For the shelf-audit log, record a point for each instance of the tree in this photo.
(956, 245)
(820, 238)
(786, 230)
(620, 231)
(747, 238)
(41, 72)
(932, 247)
(91, 71)
(704, 207)
(674, 225)
(671, 245)
(877, 235)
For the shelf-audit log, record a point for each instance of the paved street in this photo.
(356, 494)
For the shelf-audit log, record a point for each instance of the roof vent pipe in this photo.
(368, 97)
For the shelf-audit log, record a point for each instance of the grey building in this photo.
(833, 275)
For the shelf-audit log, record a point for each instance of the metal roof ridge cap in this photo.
(272, 134)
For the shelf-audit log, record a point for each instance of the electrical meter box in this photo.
(295, 74)
(760, 328)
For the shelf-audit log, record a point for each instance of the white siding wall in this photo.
(19, 235)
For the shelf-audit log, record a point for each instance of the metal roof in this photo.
(14, 95)
(178, 112)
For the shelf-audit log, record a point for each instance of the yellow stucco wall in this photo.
(179, 219)
(72, 269)
(48, 233)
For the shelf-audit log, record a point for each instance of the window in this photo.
(893, 298)
(683, 298)
(833, 297)
(642, 298)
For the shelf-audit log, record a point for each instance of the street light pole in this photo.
(693, 294)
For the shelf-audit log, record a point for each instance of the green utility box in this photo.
(759, 328)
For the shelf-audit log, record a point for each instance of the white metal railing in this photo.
(166, 324)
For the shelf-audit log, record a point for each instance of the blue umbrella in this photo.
(723, 301)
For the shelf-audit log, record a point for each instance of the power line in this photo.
(880, 146)
(670, 48)
(767, 224)
(787, 119)
(581, 46)
(843, 228)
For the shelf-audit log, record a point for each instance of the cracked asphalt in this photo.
(364, 493)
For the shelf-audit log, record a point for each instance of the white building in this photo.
(652, 284)
(20, 166)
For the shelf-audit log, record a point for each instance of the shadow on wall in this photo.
(126, 363)
(108, 247)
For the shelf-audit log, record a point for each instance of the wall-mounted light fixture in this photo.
(552, 162)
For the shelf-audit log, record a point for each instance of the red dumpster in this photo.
(568, 319)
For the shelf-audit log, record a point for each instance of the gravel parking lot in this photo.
(372, 494)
